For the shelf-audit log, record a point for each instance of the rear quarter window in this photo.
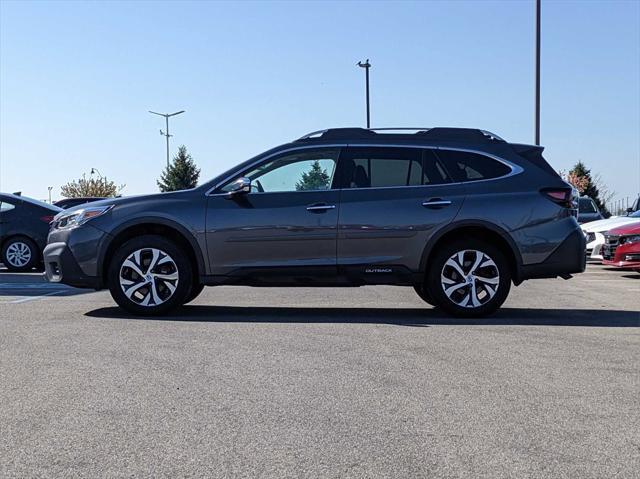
(468, 166)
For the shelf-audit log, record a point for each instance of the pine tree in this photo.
(181, 174)
(315, 179)
(588, 186)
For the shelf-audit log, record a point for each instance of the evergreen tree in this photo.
(181, 174)
(581, 176)
(315, 179)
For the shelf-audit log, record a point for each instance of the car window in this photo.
(4, 206)
(300, 171)
(585, 205)
(467, 166)
(390, 167)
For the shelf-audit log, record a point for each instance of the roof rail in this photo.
(437, 133)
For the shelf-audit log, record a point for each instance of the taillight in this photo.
(561, 196)
(47, 219)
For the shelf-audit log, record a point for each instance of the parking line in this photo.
(33, 298)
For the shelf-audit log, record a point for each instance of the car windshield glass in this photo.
(635, 214)
(586, 205)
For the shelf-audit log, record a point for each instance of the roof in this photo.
(470, 135)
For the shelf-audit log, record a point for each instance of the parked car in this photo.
(459, 214)
(594, 232)
(67, 203)
(24, 225)
(588, 210)
(622, 247)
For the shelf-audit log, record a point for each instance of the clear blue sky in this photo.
(77, 79)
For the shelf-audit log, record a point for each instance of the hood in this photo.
(121, 200)
(630, 229)
(605, 225)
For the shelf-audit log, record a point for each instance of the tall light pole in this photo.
(537, 100)
(366, 65)
(49, 188)
(166, 133)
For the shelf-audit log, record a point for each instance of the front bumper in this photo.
(568, 258)
(71, 257)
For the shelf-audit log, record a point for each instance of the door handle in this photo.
(320, 207)
(435, 203)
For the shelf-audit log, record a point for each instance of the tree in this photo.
(97, 187)
(580, 177)
(181, 174)
(315, 179)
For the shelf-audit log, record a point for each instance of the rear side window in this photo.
(390, 167)
(4, 206)
(467, 166)
(585, 205)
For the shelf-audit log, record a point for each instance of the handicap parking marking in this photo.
(34, 298)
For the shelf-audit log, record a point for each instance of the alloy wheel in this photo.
(149, 277)
(470, 278)
(18, 254)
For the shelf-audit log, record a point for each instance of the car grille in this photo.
(591, 237)
(610, 244)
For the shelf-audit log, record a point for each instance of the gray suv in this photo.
(457, 214)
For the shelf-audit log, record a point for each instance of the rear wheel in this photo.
(469, 278)
(20, 254)
(150, 275)
(423, 291)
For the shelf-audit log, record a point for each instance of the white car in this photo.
(594, 231)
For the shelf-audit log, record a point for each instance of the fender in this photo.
(478, 224)
(158, 220)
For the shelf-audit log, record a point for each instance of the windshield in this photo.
(26, 199)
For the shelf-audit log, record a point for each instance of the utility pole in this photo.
(49, 188)
(537, 108)
(366, 65)
(166, 133)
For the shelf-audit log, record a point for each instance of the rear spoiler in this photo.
(533, 153)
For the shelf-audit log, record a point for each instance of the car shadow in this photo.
(401, 317)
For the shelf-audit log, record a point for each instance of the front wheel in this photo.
(149, 275)
(469, 278)
(20, 254)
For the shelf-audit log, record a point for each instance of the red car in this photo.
(622, 247)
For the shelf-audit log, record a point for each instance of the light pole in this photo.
(95, 170)
(49, 188)
(366, 65)
(537, 100)
(163, 133)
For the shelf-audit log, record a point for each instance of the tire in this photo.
(425, 294)
(20, 254)
(150, 275)
(454, 292)
(196, 289)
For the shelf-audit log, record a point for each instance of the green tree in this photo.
(314, 179)
(589, 186)
(99, 187)
(181, 174)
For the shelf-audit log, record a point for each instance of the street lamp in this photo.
(95, 170)
(163, 133)
(537, 94)
(49, 188)
(366, 65)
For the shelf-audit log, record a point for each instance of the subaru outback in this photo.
(457, 214)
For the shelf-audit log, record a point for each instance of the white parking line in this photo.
(33, 298)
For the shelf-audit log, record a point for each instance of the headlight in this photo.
(79, 217)
(630, 239)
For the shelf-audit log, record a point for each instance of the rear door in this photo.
(392, 200)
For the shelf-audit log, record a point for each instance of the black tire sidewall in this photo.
(196, 289)
(424, 292)
(435, 286)
(181, 260)
(35, 253)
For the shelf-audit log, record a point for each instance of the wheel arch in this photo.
(481, 230)
(158, 226)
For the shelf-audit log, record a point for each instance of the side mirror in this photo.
(241, 186)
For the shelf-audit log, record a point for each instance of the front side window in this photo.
(467, 166)
(305, 170)
(391, 167)
(4, 206)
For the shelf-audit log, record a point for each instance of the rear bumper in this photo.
(568, 258)
(623, 264)
(62, 267)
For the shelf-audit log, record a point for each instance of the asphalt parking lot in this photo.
(364, 382)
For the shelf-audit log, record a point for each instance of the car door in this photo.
(392, 200)
(288, 222)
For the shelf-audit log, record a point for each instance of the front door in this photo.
(393, 199)
(287, 222)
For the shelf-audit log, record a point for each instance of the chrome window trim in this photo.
(515, 169)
